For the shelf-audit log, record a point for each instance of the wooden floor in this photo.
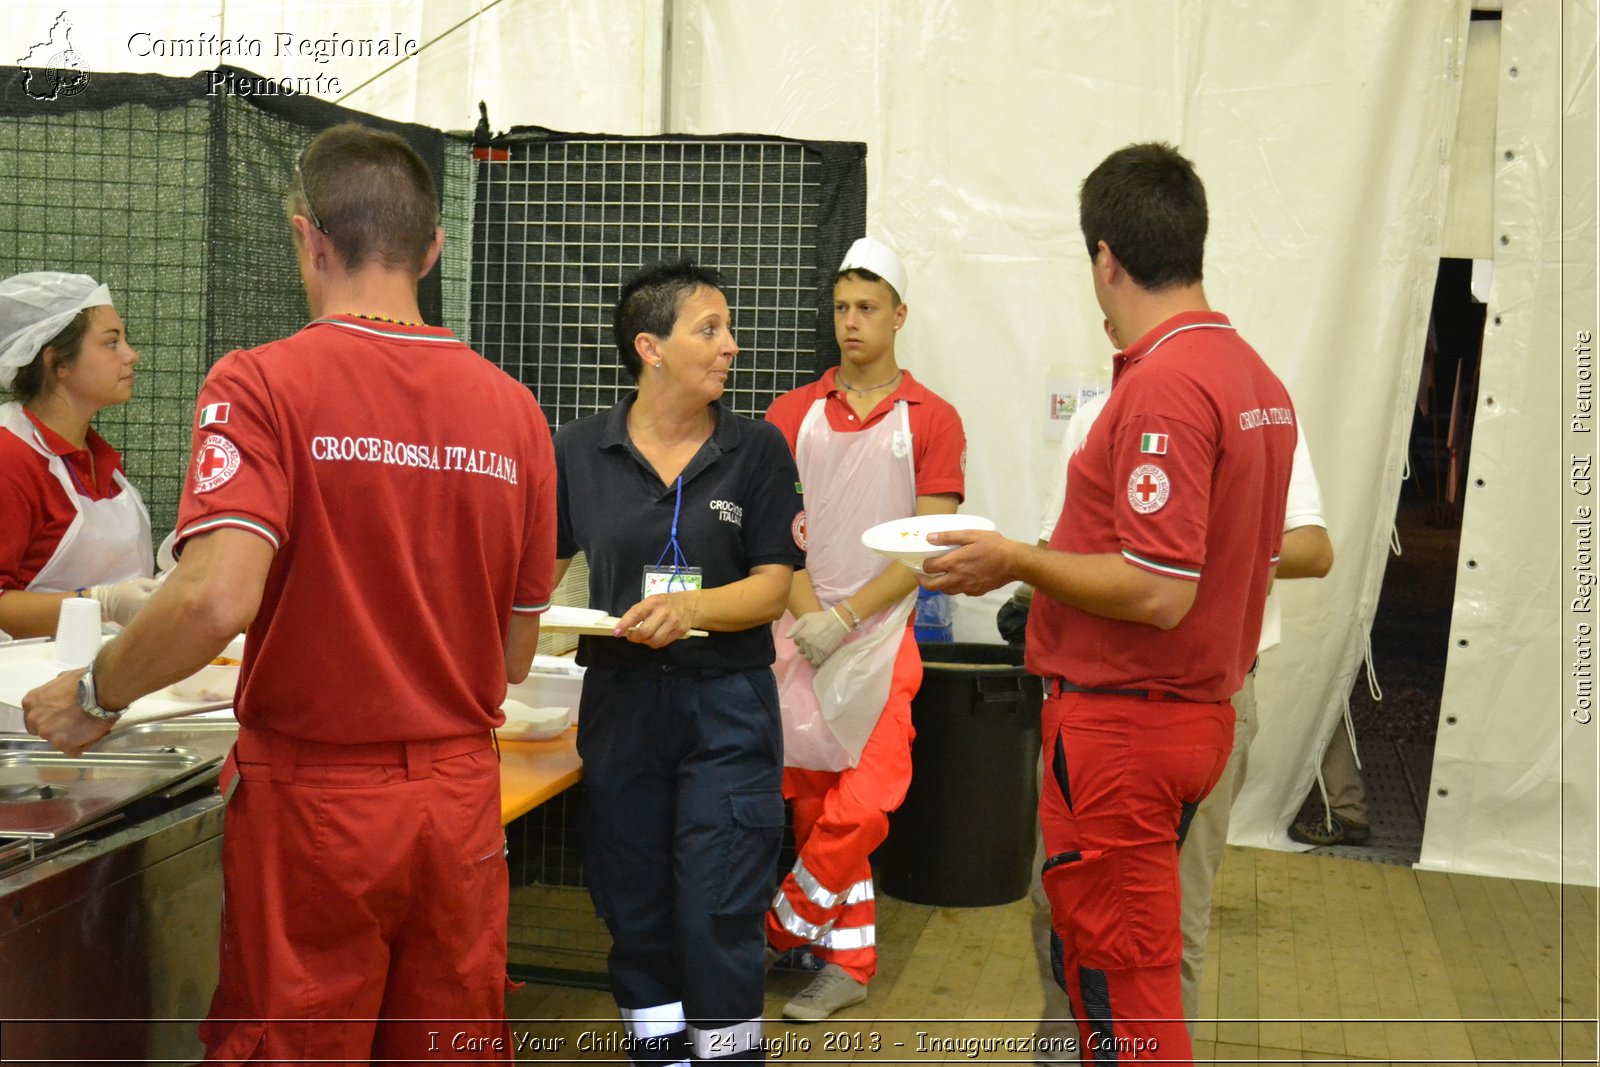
(1311, 959)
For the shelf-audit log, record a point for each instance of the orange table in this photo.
(531, 772)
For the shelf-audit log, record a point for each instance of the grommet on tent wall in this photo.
(1512, 72)
(1443, 791)
(1478, 482)
(1488, 401)
(1472, 564)
(1497, 320)
(1462, 643)
(1505, 239)
(1510, 155)
(1449, 720)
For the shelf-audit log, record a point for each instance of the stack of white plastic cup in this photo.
(77, 632)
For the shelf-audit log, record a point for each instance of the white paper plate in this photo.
(561, 615)
(906, 540)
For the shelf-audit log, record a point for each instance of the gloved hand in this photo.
(818, 634)
(120, 602)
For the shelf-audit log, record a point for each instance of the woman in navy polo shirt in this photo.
(690, 518)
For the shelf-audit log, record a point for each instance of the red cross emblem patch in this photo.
(798, 529)
(1148, 488)
(215, 461)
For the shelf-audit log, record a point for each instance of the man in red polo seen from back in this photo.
(1148, 600)
(376, 503)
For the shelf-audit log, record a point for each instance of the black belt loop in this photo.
(1055, 687)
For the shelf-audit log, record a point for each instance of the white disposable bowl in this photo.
(906, 540)
(525, 723)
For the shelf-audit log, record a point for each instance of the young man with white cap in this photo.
(872, 444)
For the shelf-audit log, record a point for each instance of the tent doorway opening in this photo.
(1410, 633)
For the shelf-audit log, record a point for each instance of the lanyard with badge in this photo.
(677, 576)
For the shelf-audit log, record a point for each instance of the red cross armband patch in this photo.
(215, 461)
(1148, 488)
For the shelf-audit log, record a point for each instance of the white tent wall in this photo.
(589, 66)
(1322, 131)
(1514, 771)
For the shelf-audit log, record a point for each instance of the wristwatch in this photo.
(88, 702)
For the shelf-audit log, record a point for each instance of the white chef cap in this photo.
(34, 307)
(879, 258)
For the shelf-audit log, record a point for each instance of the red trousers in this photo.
(1122, 775)
(364, 907)
(826, 900)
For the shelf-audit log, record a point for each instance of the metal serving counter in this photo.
(108, 935)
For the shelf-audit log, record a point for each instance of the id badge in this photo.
(665, 580)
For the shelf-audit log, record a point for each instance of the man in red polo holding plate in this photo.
(1148, 601)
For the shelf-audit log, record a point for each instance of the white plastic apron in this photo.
(852, 481)
(108, 541)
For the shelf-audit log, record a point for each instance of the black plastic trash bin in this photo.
(965, 835)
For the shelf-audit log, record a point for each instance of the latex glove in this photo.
(818, 634)
(119, 603)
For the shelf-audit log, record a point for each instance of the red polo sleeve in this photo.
(536, 571)
(1164, 450)
(788, 411)
(939, 447)
(238, 474)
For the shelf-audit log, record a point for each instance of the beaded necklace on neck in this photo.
(381, 318)
(862, 390)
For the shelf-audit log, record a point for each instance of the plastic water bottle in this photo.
(933, 618)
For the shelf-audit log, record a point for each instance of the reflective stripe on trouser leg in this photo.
(728, 1042)
(658, 1021)
(845, 938)
(792, 922)
(814, 890)
(656, 1035)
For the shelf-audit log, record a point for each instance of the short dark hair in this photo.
(1146, 203)
(371, 193)
(28, 385)
(650, 302)
(867, 276)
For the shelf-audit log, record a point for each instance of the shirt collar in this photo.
(386, 328)
(1153, 339)
(725, 434)
(908, 389)
(60, 446)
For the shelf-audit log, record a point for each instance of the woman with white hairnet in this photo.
(74, 526)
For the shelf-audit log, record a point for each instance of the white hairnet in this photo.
(34, 308)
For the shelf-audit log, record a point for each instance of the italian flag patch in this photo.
(1153, 443)
(212, 414)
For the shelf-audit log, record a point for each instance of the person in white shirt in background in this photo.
(1307, 553)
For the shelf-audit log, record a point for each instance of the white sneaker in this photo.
(829, 991)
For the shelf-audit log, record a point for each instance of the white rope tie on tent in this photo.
(1394, 541)
(1377, 695)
